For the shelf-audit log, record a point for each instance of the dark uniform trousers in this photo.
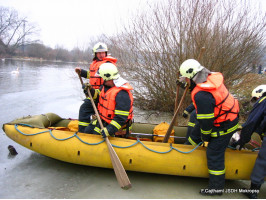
(85, 112)
(215, 159)
(215, 153)
(259, 170)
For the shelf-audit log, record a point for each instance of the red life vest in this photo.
(226, 106)
(106, 105)
(95, 80)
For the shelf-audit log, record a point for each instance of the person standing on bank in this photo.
(217, 116)
(256, 122)
(115, 103)
(100, 56)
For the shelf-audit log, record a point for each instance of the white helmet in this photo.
(100, 47)
(258, 91)
(108, 71)
(189, 68)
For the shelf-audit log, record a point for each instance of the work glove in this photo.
(78, 70)
(93, 117)
(181, 84)
(85, 88)
(105, 133)
(185, 114)
(237, 145)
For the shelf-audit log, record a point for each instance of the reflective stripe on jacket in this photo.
(95, 80)
(107, 103)
(226, 107)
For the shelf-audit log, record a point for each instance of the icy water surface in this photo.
(45, 87)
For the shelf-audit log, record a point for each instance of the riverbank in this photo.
(18, 58)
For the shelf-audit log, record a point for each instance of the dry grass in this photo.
(243, 87)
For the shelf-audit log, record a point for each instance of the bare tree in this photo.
(37, 50)
(62, 54)
(155, 42)
(15, 31)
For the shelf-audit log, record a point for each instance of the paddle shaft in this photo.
(81, 81)
(177, 91)
(120, 172)
(176, 98)
(167, 135)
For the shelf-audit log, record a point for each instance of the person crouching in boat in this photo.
(256, 122)
(115, 103)
(100, 51)
(217, 113)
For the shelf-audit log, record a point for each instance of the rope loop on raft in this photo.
(75, 135)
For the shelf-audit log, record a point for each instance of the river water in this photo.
(42, 87)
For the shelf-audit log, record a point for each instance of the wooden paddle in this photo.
(176, 97)
(167, 135)
(120, 172)
(81, 82)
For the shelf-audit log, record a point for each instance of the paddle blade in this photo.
(120, 172)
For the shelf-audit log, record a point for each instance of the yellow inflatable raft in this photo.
(62, 142)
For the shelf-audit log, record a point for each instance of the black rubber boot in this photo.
(253, 192)
(216, 185)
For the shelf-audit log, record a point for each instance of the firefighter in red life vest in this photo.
(100, 56)
(115, 103)
(217, 116)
